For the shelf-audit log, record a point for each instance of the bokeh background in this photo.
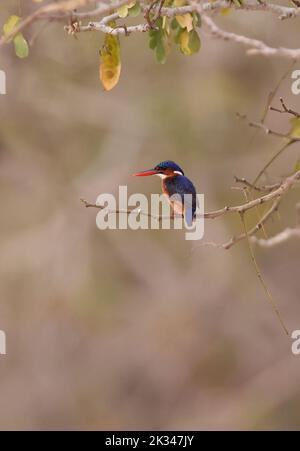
(141, 329)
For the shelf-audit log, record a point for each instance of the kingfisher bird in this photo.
(175, 185)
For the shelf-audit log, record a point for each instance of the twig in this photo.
(102, 26)
(261, 279)
(273, 93)
(277, 154)
(136, 211)
(281, 237)
(255, 229)
(267, 130)
(285, 186)
(266, 188)
(285, 109)
(255, 47)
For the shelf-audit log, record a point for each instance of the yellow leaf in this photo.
(123, 10)
(225, 11)
(295, 131)
(11, 24)
(297, 166)
(186, 21)
(184, 43)
(110, 67)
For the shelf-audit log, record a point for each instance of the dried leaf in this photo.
(110, 67)
(186, 21)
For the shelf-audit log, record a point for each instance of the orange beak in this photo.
(145, 173)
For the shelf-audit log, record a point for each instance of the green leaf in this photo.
(152, 42)
(196, 19)
(135, 10)
(238, 3)
(295, 130)
(194, 42)
(174, 24)
(152, 33)
(159, 42)
(20, 43)
(21, 46)
(160, 52)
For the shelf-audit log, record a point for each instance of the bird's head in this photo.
(164, 169)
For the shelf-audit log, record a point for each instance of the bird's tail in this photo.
(188, 216)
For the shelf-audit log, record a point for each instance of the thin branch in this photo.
(136, 211)
(285, 186)
(255, 229)
(261, 279)
(65, 9)
(262, 126)
(281, 237)
(273, 93)
(267, 130)
(102, 26)
(266, 188)
(275, 156)
(255, 47)
(285, 109)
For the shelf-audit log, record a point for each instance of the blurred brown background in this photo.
(141, 329)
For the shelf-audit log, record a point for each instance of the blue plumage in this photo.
(169, 165)
(178, 188)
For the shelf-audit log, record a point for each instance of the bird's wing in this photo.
(178, 187)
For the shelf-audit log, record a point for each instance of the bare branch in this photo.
(248, 184)
(255, 229)
(285, 186)
(255, 47)
(261, 279)
(290, 140)
(102, 26)
(285, 109)
(266, 129)
(281, 237)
